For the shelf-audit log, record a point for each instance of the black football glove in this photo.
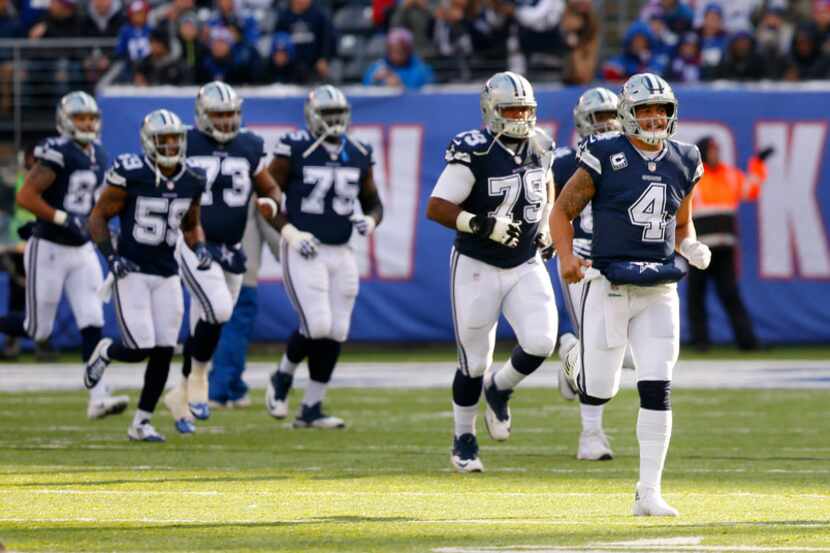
(77, 226)
(121, 266)
(766, 152)
(545, 245)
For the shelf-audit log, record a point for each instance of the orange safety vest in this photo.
(716, 198)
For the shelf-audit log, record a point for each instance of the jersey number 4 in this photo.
(649, 212)
(535, 192)
(346, 189)
(237, 168)
(157, 219)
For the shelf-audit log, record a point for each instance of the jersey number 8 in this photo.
(535, 192)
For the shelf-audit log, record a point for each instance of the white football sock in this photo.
(507, 377)
(591, 416)
(653, 433)
(141, 416)
(99, 391)
(465, 419)
(315, 392)
(286, 366)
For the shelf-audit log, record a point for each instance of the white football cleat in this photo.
(242, 403)
(649, 503)
(464, 456)
(566, 343)
(144, 432)
(110, 405)
(176, 400)
(276, 394)
(497, 413)
(594, 446)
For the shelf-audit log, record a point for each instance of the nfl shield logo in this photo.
(170, 184)
(652, 166)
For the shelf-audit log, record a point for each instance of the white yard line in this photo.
(687, 374)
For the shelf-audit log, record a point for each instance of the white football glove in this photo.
(503, 230)
(363, 224)
(697, 253)
(301, 241)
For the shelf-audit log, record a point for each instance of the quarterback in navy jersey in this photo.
(323, 173)
(595, 113)
(60, 191)
(495, 192)
(639, 183)
(235, 165)
(155, 196)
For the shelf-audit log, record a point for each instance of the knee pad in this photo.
(655, 395)
(222, 310)
(541, 345)
(591, 400)
(466, 390)
(318, 327)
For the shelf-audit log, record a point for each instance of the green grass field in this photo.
(748, 468)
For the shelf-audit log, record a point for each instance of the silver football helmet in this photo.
(156, 127)
(505, 90)
(72, 104)
(593, 101)
(646, 89)
(327, 112)
(215, 98)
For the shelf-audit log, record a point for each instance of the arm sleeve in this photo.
(454, 184)
(587, 157)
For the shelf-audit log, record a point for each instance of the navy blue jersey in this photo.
(564, 166)
(322, 188)
(154, 208)
(636, 198)
(230, 168)
(78, 174)
(505, 185)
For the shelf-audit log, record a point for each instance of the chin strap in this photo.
(328, 133)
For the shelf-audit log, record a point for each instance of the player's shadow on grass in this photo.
(156, 481)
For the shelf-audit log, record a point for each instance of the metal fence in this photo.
(34, 74)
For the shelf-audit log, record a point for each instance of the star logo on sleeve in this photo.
(226, 255)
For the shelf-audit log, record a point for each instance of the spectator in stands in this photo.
(313, 36)
(538, 24)
(741, 62)
(134, 37)
(223, 63)
(736, 14)
(192, 51)
(282, 63)
(31, 11)
(580, 29)
(9, 28)
(169, 15)
(381, 12)
(715, 201)
(685, 66)
(472, 31)
(806, 60)
(60, 21)
(773, 37)
(638, 54)
(821, 17)
(713, 40)
(104, 19)
(401, 68)
(417, 17)
(161, 66)
(244, 27)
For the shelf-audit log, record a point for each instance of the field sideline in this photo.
(749, 470)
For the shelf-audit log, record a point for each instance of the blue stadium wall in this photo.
(785, 258)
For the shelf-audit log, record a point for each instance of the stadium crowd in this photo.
(410, 43)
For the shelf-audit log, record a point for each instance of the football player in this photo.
(323, 173)
(60, 191)
(639, 184)
(235, 164)
(496, 191)
(594, 113)
(153, 196)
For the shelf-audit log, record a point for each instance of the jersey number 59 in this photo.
(157, 219)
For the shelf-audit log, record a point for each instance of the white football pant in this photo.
(322, 290)
(149, 309)
(613, 317)
(51, 268)
(213, 292)
(481, 292)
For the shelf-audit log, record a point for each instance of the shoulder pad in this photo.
(471, 140)
(562, 151)
(290, 140)
(51, 150)
(691, 158)
(195, 170)
(124, 165)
